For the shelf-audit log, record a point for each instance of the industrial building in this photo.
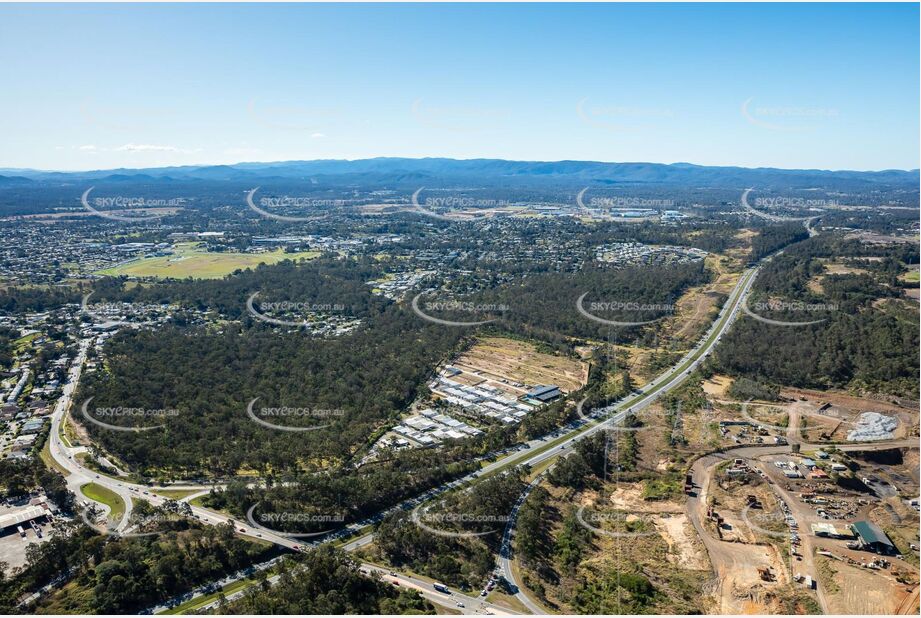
(544, 394)
(23, 515)
(872, 538)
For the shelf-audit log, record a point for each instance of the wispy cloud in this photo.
(131, 148)
(147, 148)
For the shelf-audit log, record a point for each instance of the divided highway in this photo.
(532, 454)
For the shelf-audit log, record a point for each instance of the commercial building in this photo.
(21, 516)
(544, 393)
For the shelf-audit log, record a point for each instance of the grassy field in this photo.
(191, 260)
(175, 494)
(22, 343)
(98, 493)
(49, 461)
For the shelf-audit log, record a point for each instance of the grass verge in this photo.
(106, 496)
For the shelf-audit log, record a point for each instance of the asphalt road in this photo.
(577, 431)
(648, 394)
(79, 475)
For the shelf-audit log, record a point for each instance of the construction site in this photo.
(780, 512)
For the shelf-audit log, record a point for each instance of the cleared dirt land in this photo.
(855, 590)
(667, 554)
(697, 307)
(507, 361)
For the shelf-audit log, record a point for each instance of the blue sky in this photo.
(818, 86)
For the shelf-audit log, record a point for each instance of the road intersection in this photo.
(531, 454)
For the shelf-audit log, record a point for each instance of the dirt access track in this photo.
(735, 565)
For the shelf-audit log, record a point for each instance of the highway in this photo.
(647, 395)
(550, 446)
(533, 453)
(459, 602)
(65, 455)
(505, 550)
(456, 601)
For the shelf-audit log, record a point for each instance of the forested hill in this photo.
(329, 582)
(371, 374)
(868, 335)
(485, 170)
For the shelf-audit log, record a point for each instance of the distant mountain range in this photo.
(489, 171)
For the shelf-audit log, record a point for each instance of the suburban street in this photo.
(541, 449)
(534, 453)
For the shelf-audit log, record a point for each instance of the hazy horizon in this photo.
(435, 157)
(830, 87)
